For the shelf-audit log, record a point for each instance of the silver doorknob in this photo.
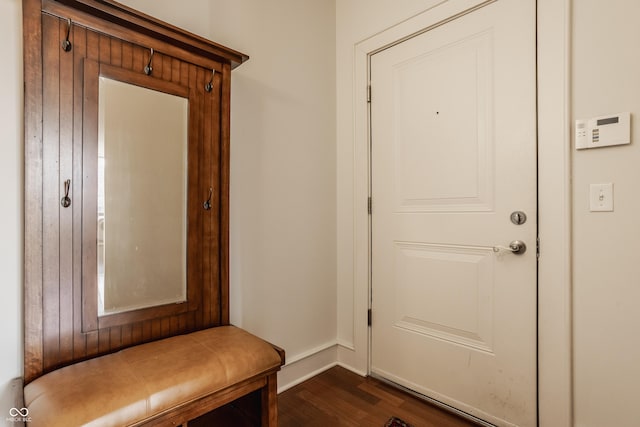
(518, 247)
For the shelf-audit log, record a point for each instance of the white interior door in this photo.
(453, 154)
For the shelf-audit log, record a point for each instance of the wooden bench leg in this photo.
(270, 402)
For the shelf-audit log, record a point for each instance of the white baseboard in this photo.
(352, 369)
(306, 365)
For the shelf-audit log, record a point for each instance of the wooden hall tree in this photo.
(68, 45)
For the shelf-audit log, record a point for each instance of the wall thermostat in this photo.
(603, 131)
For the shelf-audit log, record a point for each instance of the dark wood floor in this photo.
(335, 398)
(339, 397)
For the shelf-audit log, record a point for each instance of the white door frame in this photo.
(555, 393)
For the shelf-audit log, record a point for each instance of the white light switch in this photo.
(601, 197)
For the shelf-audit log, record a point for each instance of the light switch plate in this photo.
(601, 197)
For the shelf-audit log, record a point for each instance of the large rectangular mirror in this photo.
(142, 197)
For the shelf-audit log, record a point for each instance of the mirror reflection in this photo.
(142, 197)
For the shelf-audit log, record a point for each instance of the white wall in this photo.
(283, 167)
(11, 212)
(605, 78)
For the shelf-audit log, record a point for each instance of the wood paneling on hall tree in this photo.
(61, 321)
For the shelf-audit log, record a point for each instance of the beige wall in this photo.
(11, 160)
(605, 80)
(194, 15)
(283, 185)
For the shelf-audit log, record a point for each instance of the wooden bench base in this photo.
(181, 416)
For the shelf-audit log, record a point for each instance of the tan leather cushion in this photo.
(141, 381)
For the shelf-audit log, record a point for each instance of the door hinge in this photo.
(368, 93)
(369, 205)
(369, 317)
(537, 248)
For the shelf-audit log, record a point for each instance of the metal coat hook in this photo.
(149, 68)
(66, 200)
(207, 205)
(66, 44)
(209, 86)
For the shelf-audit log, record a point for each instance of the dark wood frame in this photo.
(56, 334)
(118, 20)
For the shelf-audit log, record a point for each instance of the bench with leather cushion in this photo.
(165, 382)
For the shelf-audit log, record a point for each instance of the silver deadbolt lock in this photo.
(518, 217)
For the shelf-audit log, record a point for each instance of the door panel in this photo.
(457, 305)
(454, 117)
(453, 153)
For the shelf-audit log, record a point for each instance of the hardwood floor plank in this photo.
(351, 394)
(351, 384)
(347, 414)
(338, 397)
(374, 389)
(293, 408)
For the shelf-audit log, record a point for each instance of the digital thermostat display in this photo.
(608, 121)
(604, 131)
